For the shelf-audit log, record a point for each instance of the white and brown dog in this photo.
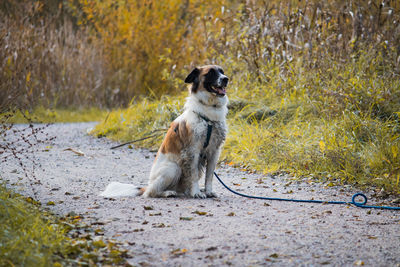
(192, 143)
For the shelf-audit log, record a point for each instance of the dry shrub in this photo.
(46, 62)
(148, 44)
(310, 32)
(104, 53)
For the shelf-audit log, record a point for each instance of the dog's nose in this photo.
(225, 81)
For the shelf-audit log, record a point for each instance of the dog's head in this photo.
(210, 78)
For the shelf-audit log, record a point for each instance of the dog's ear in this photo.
(192, 76)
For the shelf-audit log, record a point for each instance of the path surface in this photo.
(229, 230)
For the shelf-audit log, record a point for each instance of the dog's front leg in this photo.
(211, 163)
(192, 187)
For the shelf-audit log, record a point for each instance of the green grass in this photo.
(31, 236)
(27, 236)
(339, 123)
(46, 115)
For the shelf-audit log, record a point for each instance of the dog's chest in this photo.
(218, 135)
(209, 136)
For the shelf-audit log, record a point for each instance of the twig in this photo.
(134, 141)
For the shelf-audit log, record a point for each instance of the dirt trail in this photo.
(229, 230)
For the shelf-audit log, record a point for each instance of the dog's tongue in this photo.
(221, 90)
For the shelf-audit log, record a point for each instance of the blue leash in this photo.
(353, 201)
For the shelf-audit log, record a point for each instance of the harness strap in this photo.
(209, 128)
(209, 131)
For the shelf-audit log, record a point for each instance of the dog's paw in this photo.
(211, 194)
(199, 195)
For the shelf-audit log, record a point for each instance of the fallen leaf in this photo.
(201, 213)
(178, 251)
(50, 203)
(359, 263)
(231, 214)
(275, 255)
(98, 223)
(99, 231)
(99, 243)
(148, 208)
(236, 184)
(186, 218)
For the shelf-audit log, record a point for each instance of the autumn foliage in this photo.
(81, 52)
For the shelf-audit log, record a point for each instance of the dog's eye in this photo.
(221, 70)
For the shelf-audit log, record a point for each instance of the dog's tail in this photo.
(116, 189)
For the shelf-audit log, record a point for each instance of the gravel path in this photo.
(229, 230)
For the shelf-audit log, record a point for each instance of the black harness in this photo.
(209, 128)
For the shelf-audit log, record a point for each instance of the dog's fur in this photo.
(182, 157)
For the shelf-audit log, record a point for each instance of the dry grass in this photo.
(44, 63)
(78, 53)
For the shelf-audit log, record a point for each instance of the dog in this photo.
(192, 144)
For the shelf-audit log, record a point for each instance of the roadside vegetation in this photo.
(26, 237)
(41, 114)
(31, 236)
